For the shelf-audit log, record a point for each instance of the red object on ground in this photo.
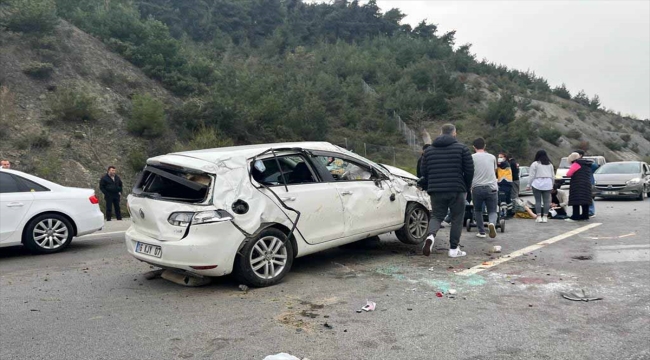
(439, 294)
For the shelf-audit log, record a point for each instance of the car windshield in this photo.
(619, 168)
(564, 163)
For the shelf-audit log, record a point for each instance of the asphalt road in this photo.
(93, 302)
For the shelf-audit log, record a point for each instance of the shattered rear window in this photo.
(174, 185)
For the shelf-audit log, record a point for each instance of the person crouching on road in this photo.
(447, 172)
(580, 187)
(111, 186)
(541, 178)
(484, 188)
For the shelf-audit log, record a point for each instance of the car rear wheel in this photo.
(416, 225)
(265, 260)
(48, 233)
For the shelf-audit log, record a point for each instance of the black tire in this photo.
(642, 195)
(416, 225)
(502, 225)
(47, 234)
(245, 263)
(468, 225)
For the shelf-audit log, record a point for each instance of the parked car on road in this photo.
(252, 209)
(624, 179)
(563, 168)
(42, 215)
(524, 181)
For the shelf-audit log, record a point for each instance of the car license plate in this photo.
(610, 192)
(151, 250)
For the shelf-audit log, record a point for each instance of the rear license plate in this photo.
(610, 192)
(151, 250)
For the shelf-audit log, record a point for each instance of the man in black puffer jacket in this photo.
(447, 170)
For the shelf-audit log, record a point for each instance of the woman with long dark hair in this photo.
(541, 176)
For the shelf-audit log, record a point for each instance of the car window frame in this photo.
(18, 184)
(373, 170)
(24, 183)
(315, 174)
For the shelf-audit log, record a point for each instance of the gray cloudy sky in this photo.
(602, 47)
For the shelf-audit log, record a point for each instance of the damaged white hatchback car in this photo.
(252, 209)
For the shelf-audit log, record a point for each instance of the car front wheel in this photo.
(416, 225)
(265, 260)
(48, 233)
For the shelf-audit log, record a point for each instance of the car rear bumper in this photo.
(90, 222)
(204, 245)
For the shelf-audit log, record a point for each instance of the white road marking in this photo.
(101, 234)
(478, 268)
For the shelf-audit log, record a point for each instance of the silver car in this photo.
(524, 181)
(624, 179)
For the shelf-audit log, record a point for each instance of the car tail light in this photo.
(93, 199)
(201, 217)
(207, 267)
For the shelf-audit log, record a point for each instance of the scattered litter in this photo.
(439, 294)
(530, 305)
(409, 309)
(359, 311)
(153, 274)
(34, 310)
(281, 356)
(496, 249)
(184, 279)
(432, 269)
(328, 326)
(579, 297)
(451, 292)
(582, 257)
(370, 306)
(487, 263)
(243, 288)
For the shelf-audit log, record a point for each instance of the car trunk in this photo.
(165, 189)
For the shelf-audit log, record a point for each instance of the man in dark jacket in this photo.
(448, 170)
(111, 186)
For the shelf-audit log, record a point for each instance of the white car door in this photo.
(318, 202)
(369, 203)
(15, 202)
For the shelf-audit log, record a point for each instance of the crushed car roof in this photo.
(248, 151)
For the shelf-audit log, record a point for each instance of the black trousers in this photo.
(113, 201)
(576, 212)
(455, 202)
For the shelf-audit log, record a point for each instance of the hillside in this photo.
(88, 83)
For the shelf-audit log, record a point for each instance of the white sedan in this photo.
(251, 210)
(42, 215)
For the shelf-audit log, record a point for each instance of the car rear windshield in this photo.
(173, 184)
(619, 168)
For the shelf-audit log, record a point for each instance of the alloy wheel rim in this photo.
(418, 224)
(268, 257)
(50, 234)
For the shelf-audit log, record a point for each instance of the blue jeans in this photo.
(484, 196)
(592, 208)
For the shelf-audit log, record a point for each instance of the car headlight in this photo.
(197, 218)
(633, 181)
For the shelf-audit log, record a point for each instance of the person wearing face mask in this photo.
(504, 179)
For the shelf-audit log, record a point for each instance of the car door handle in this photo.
(15, 204)
(346, 192)
(288, 199)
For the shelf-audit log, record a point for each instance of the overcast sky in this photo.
(602, 47)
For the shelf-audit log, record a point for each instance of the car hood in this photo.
(614, 178)
(399, 172)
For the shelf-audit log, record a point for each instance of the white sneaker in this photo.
(539, 219)
(428, 245)
(544, 219)
(569, 220)
(481, 235)
(493, 230)
(456, 253)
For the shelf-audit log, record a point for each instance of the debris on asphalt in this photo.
(409, 309)
(432, 269)
(439, 294)
(451, 292)
(184, 279)
(496, 249)
(582, 296)
(150, 275)
(328, 326)
(281, 356)
(243, 288)
(530, 305)
(370, 306)
(487, 263)
(582, 257)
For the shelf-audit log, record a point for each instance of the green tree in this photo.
(562, 92)
(147, 116)
(594, 104)
(32, 16)
(501, 112)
